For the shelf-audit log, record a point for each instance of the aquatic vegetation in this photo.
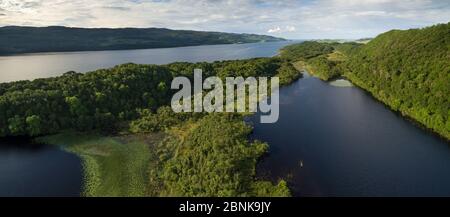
(113, 166)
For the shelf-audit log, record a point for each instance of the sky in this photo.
(292, 19)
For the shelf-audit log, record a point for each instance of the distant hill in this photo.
(17, 39)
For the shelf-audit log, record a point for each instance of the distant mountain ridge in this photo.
(23, 39)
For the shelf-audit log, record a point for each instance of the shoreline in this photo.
(415, 122)
(406, 117)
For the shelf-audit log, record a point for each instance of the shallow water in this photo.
(341, 83)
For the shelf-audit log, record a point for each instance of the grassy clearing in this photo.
(113, 166)
(299, 65)
(304, 68)
(336, 56)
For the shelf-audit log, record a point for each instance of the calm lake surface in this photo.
(41, 65)
(339, 141)
(349, 144)
(28, 169)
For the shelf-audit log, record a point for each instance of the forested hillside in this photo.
(407, 70)
(410, 72)
(16, 39)
(321, 59)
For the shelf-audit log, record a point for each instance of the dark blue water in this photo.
(28, 169)
(349, 145)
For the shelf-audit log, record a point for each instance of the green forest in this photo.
(22, 39)
(119, 122)
(106, 98)
(130, 140)
(408, 70)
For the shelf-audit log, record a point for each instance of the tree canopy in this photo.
(105, 98)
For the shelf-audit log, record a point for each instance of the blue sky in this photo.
(294, 19)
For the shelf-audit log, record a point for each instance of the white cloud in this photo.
(274, 30)
(286, 18)
(282, 30)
